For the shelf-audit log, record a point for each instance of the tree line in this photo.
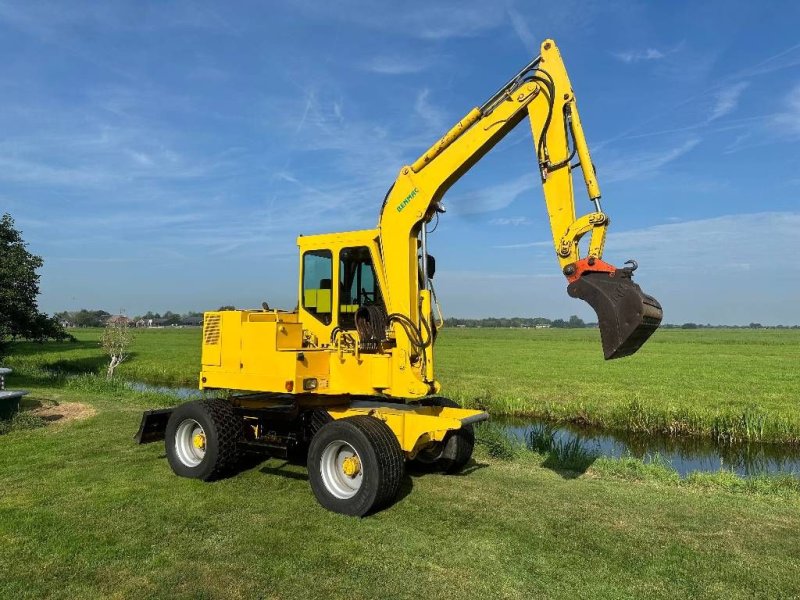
(574, 322)
(98, 318)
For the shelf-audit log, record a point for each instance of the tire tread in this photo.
(229, 431)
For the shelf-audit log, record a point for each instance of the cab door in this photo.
(318, 295)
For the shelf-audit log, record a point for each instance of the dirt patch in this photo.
(64, 412)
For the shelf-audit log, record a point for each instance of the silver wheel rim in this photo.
(332, 469)
(188, 452)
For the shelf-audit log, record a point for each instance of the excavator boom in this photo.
(542, 92)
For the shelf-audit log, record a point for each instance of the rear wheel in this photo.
(202, 438)
(355, 465)
(454, 452)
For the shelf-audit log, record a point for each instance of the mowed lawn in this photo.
(86, 513)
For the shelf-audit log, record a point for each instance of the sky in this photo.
(165, 155)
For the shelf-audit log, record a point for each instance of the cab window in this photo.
(358, 285)
(317, 288)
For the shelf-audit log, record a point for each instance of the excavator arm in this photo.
(542, 92)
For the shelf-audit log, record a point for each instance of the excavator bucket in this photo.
(626, 315)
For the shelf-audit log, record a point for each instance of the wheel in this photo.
(453, 453)
(202, 438)
(355, 465)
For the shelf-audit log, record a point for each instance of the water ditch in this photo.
(180, 393)
(684, 454)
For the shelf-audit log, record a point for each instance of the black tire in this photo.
(380, 458)
(222, 430)
(455, 451)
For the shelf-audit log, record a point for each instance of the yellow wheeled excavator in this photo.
(347, 379)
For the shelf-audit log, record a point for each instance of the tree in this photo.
(227, 307)
(171, 318)
(19, 289)
(575, 321)
(90, 318)
(116, 341)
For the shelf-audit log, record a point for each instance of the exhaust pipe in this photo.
(626, 315)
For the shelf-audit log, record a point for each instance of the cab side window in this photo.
(317, 284)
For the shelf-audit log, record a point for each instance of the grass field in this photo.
(85, 513)
(731, 384)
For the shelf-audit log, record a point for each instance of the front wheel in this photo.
(454, 452)
(355, 465)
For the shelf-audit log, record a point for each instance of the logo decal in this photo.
(407, 199)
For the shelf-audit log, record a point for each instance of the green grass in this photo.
(85, 513)
(727, 384)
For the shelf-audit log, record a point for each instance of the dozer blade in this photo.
(626, 315)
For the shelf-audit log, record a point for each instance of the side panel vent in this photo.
(211, 330)
(212, 348)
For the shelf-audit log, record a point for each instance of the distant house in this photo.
(192, 321)
(118, 320)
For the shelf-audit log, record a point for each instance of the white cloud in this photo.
(785, 59)
(722, 243)
(727, 100)
(643, 164)
(524, 33)
(523, 245)
(396, 65)
(490, 198)
(438, 21)
(432, 116)
(513, 221)
(435, 21)
(633, 56)
(788, 121)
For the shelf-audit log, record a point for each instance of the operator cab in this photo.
(350, 260)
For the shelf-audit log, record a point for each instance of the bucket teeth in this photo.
(626, 315)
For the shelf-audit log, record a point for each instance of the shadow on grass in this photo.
(35, 348)
(568, 469)
(55, 374)
(282, 471)
(470, 468)
(416, 469)
(568, 458)
(78, 366)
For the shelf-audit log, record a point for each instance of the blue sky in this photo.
(164, 155)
